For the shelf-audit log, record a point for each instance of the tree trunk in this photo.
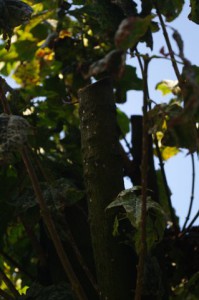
(104, 180)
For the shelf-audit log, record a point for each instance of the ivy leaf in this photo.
(156, 217)
(132, 204)
(131, 30)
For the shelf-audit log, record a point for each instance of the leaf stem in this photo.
(192, 192)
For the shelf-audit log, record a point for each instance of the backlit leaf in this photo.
(168, 152)
(168, 86)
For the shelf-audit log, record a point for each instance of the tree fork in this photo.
(104, 180)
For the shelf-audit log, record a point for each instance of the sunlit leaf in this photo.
(168, 86)
(168, 152)
(27, 73)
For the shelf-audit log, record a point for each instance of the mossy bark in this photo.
(104, 180)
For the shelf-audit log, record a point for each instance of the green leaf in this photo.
(128, 81)
(123, 121)
(131, 30)
(168, 86)
(132, 204)
(170, 9)
(182, 135)
(194, 14)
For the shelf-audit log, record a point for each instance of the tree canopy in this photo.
(69, 229)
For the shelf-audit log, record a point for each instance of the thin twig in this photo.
(139, 61)
(144, 172)
(160, 159)
(192, 192)
(9, 284)
(166, 36)
(190, 225)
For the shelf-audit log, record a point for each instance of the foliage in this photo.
(156, 218)
(56, 48)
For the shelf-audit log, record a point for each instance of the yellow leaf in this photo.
(168, 152)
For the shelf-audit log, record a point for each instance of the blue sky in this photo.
(178, 168)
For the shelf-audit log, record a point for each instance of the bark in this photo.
(104, 180)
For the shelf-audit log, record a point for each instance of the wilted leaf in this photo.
(130, 31)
